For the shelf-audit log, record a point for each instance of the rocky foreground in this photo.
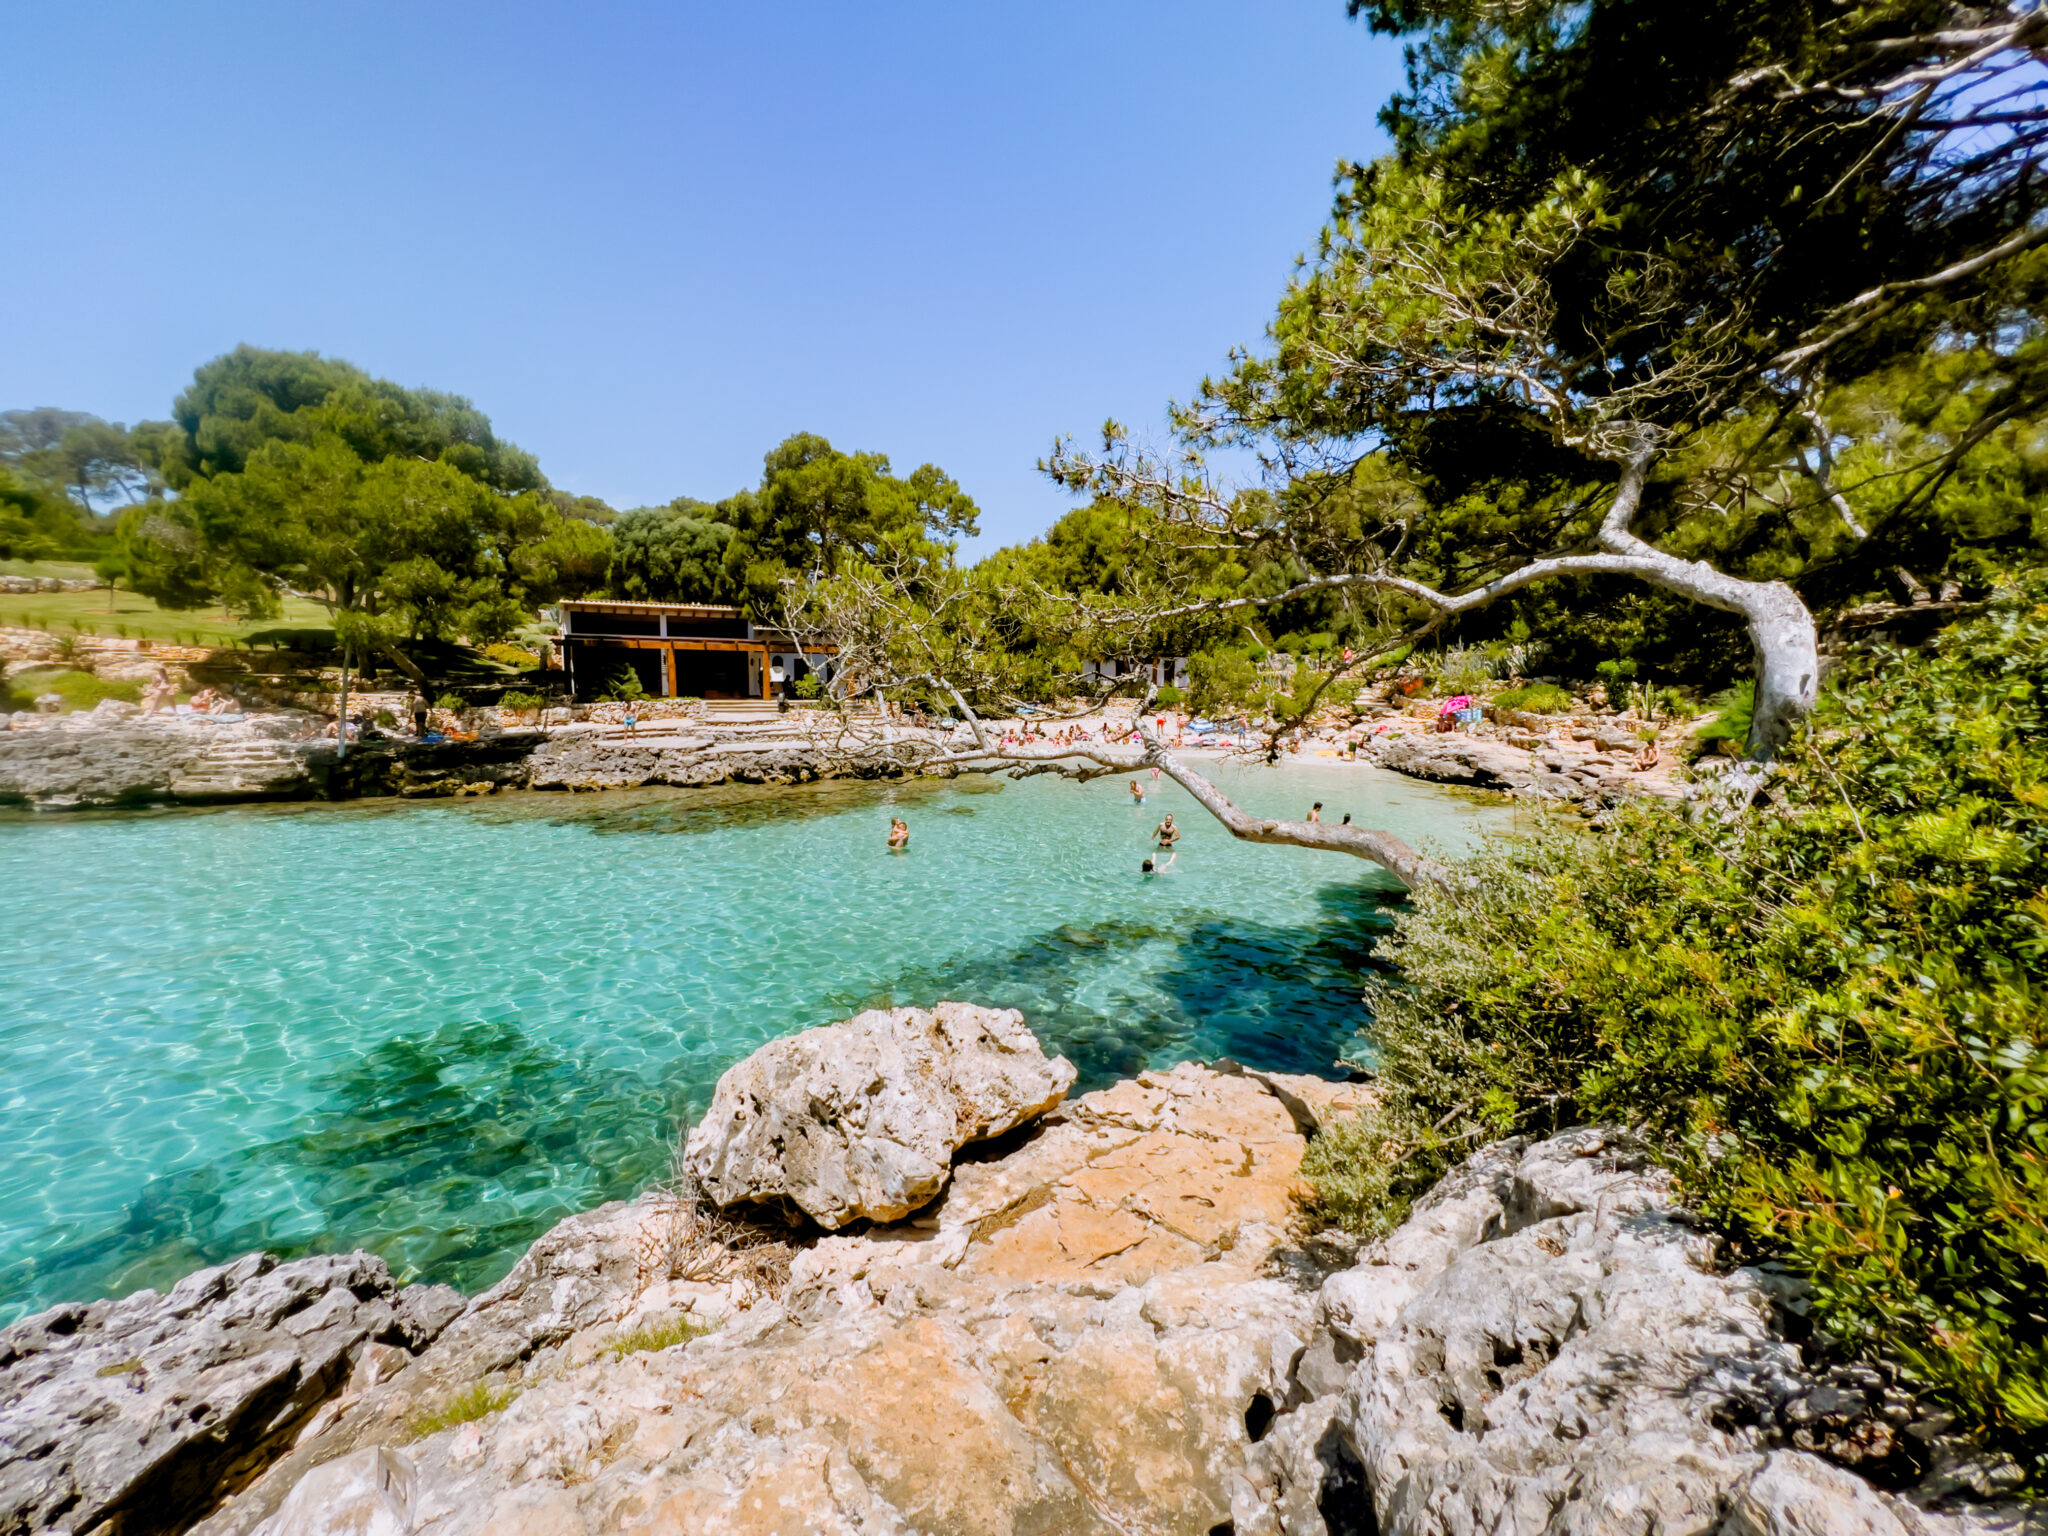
(1107, 1321)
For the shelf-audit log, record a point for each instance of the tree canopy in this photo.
(398, 508)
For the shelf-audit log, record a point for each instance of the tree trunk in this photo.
(404, 664)
(1382, 848)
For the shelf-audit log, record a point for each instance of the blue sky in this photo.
(652, 240)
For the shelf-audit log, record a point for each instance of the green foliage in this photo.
(1220, 680)
(679, 1330)
(450, 701)
(506, 654)
(397, 507)
(818, 507)
(1535, 698)
(673, 554)
(624, 688)
(1169, 696)
(79, 690)
(477, 1401)
(1829, 1017)
(807, 686)
(36, 521)
(1731, 718)
(514, 699)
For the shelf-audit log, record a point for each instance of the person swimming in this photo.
(1147, 870)
(1137, 793)
(1166, 834)
(899, 834)
(1315, 812)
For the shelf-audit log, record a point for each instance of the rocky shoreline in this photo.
(1108, 1320)
(116, 756)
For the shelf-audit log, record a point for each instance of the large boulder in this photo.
(144, 1411)
(860, 1120)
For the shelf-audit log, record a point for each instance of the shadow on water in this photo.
(444, 1154)
(448, 1152)
(1284, 999)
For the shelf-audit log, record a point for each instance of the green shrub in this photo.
(807, 686)
(624, 688)
(450, 701)
(1535, 699)
(1169, 696)
(1828, 1016)
(1732, 714)
(514, 699)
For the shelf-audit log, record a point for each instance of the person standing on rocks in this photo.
(419, 716)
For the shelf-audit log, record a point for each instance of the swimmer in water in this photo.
(1147, 870)
(899, 834)
(1137, 793)
(1166, 834)
(1315, 812)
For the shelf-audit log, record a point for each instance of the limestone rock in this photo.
(860, 1120)
(105, 758)
(1108, 1326)
(369, 1493)
(1549, 1345)
(693, 757)
(146, 1409)
(1090, 1333)
(1458, 759)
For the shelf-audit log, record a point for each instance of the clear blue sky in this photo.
(651, 240)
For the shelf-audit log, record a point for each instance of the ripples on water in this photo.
(432, 1030)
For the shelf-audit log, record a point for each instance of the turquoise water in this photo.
(433, 1029)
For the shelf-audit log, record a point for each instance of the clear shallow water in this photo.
(433, 1029)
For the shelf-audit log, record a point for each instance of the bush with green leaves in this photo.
(1535, 699)
(515, 700)
(1731, 716)
(624, 688)
(1831, 1015)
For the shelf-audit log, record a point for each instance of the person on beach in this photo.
(419, 717)
(632, 719)
(899, 834)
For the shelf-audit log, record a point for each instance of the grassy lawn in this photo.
(63, 613)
